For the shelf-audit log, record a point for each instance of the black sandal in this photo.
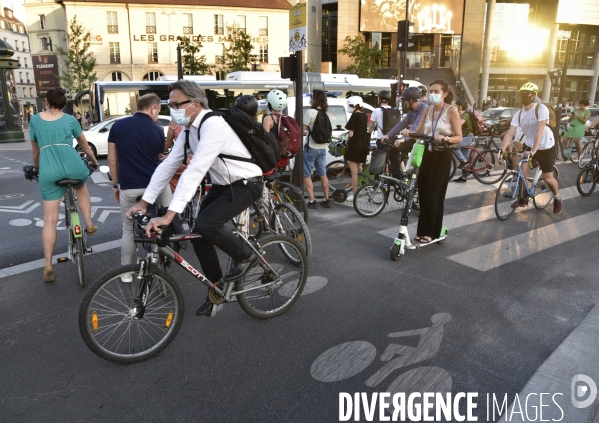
(424, 240)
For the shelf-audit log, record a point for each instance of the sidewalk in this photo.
(578, 354)
(17, 146)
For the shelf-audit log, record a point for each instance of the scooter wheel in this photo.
(394, 253)
(339, 195)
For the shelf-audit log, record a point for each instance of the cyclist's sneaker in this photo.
(205, 309)
(557, 206)
(462, 164)
(312, 204)
(350, 198)
(520, 203)
(240, 269)
(326, 203)
(127, 278)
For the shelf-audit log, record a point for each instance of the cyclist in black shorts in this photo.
(540, 141)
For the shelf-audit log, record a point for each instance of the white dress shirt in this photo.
(217, 137)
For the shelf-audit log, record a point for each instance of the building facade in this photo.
(137, 40)
(21, 82)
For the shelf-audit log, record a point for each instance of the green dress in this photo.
(58, 159)
(578, 127)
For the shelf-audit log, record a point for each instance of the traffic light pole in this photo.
(298, 168)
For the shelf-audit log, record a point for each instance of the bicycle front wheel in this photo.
(586, 181)
(288, 194)
(586, 155)
(486, 168)
(370, 199)
(506, 199)
(276, 288)
(108, 320)
(286, 220)
(78, 250)
(454, 165)
(542, 194)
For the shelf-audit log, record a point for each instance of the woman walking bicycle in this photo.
(51, 133)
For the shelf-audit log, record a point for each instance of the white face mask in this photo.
(435, 98)
(179, 116)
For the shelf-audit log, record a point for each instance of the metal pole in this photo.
(179, 63)
(404, 52)
(487, 50)
(298, 168)
(562, 85)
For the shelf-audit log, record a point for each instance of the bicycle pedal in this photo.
(89, 250)
(213, 312)
(62, 260)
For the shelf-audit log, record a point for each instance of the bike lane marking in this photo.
(516, 247)
(469, 217)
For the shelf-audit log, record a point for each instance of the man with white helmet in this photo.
(533, 118)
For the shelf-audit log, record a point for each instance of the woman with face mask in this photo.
(358, 140)
(442, 121)
(576, 128)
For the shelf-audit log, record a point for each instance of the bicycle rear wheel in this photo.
(78, 250)
(274, 293)
(454, 165)
(289, 195)
(107, 321)
(542, 194)
(337, 169)
(488, 170)
(370, 199)
(507, 195)
(586, 181)
(286, 220)
(586, 155)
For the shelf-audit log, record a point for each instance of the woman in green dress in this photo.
(51, 133)
(577, 125)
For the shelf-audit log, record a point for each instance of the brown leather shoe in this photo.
(48, 274)
(91, 230)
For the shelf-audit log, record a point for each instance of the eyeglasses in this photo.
(175, 106)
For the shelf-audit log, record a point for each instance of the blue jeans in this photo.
(315, 158)
(463, 152)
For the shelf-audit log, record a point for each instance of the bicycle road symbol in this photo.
(346, 360)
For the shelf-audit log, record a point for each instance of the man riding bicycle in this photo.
(540, 141)
(236, 184)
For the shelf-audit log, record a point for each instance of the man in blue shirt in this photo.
(411, 102)
(135, 144)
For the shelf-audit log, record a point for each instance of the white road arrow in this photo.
(21, 208)
(105, 214)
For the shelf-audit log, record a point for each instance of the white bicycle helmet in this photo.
(354, 101)
(277, 100)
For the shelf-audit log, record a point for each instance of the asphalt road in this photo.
(492, 327)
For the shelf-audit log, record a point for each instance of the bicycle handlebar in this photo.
(422, 137)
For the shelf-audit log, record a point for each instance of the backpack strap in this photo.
(220, 156)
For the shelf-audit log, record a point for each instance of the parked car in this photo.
(493, 116)
(97, 136)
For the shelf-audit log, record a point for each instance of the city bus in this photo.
(116, 98)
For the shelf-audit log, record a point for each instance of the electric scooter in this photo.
(403, 241)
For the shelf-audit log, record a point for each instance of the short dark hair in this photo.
(147, 100)
(584, 101)
(57, 98)
(319, 99)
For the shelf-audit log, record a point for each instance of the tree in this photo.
(192, 64)
(238, 51)
(79, 63)
(366, 60)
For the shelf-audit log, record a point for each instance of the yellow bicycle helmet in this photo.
(529, 86)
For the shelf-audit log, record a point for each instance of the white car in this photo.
(97, 136)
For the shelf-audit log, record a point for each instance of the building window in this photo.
(240, 21)
(263, 26)
(27, 75)
(117, 76)
(152, 76)
(150, 23)
(30, 92)
(113, 25)
(188, 29)
(25, 60)
(42, 21)
(46, 43)
(19, 60)
(21, 77)
(17, 45)
(220, 52)
(263, 55)
(2, 24)
(152, 52)
(115, 53)
(219, 26)
(592, 40)
(23, 42)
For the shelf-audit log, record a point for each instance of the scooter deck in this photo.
(418, 245)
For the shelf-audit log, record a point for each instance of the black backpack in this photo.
(391, 117)
(321, 131)
(262, 145)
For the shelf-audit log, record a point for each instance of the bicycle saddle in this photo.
(65, 182)
(272, 176)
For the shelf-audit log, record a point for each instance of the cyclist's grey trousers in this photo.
(129, 198)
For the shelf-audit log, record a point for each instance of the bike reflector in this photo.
(95, 320)
(77, 230)
(169, 320)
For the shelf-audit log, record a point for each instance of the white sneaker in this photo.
(350, 198)
(127, 278)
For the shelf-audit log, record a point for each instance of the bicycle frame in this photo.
(521, 179)
(73, 216)
(474, 156)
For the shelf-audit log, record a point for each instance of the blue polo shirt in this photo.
(138, 142)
